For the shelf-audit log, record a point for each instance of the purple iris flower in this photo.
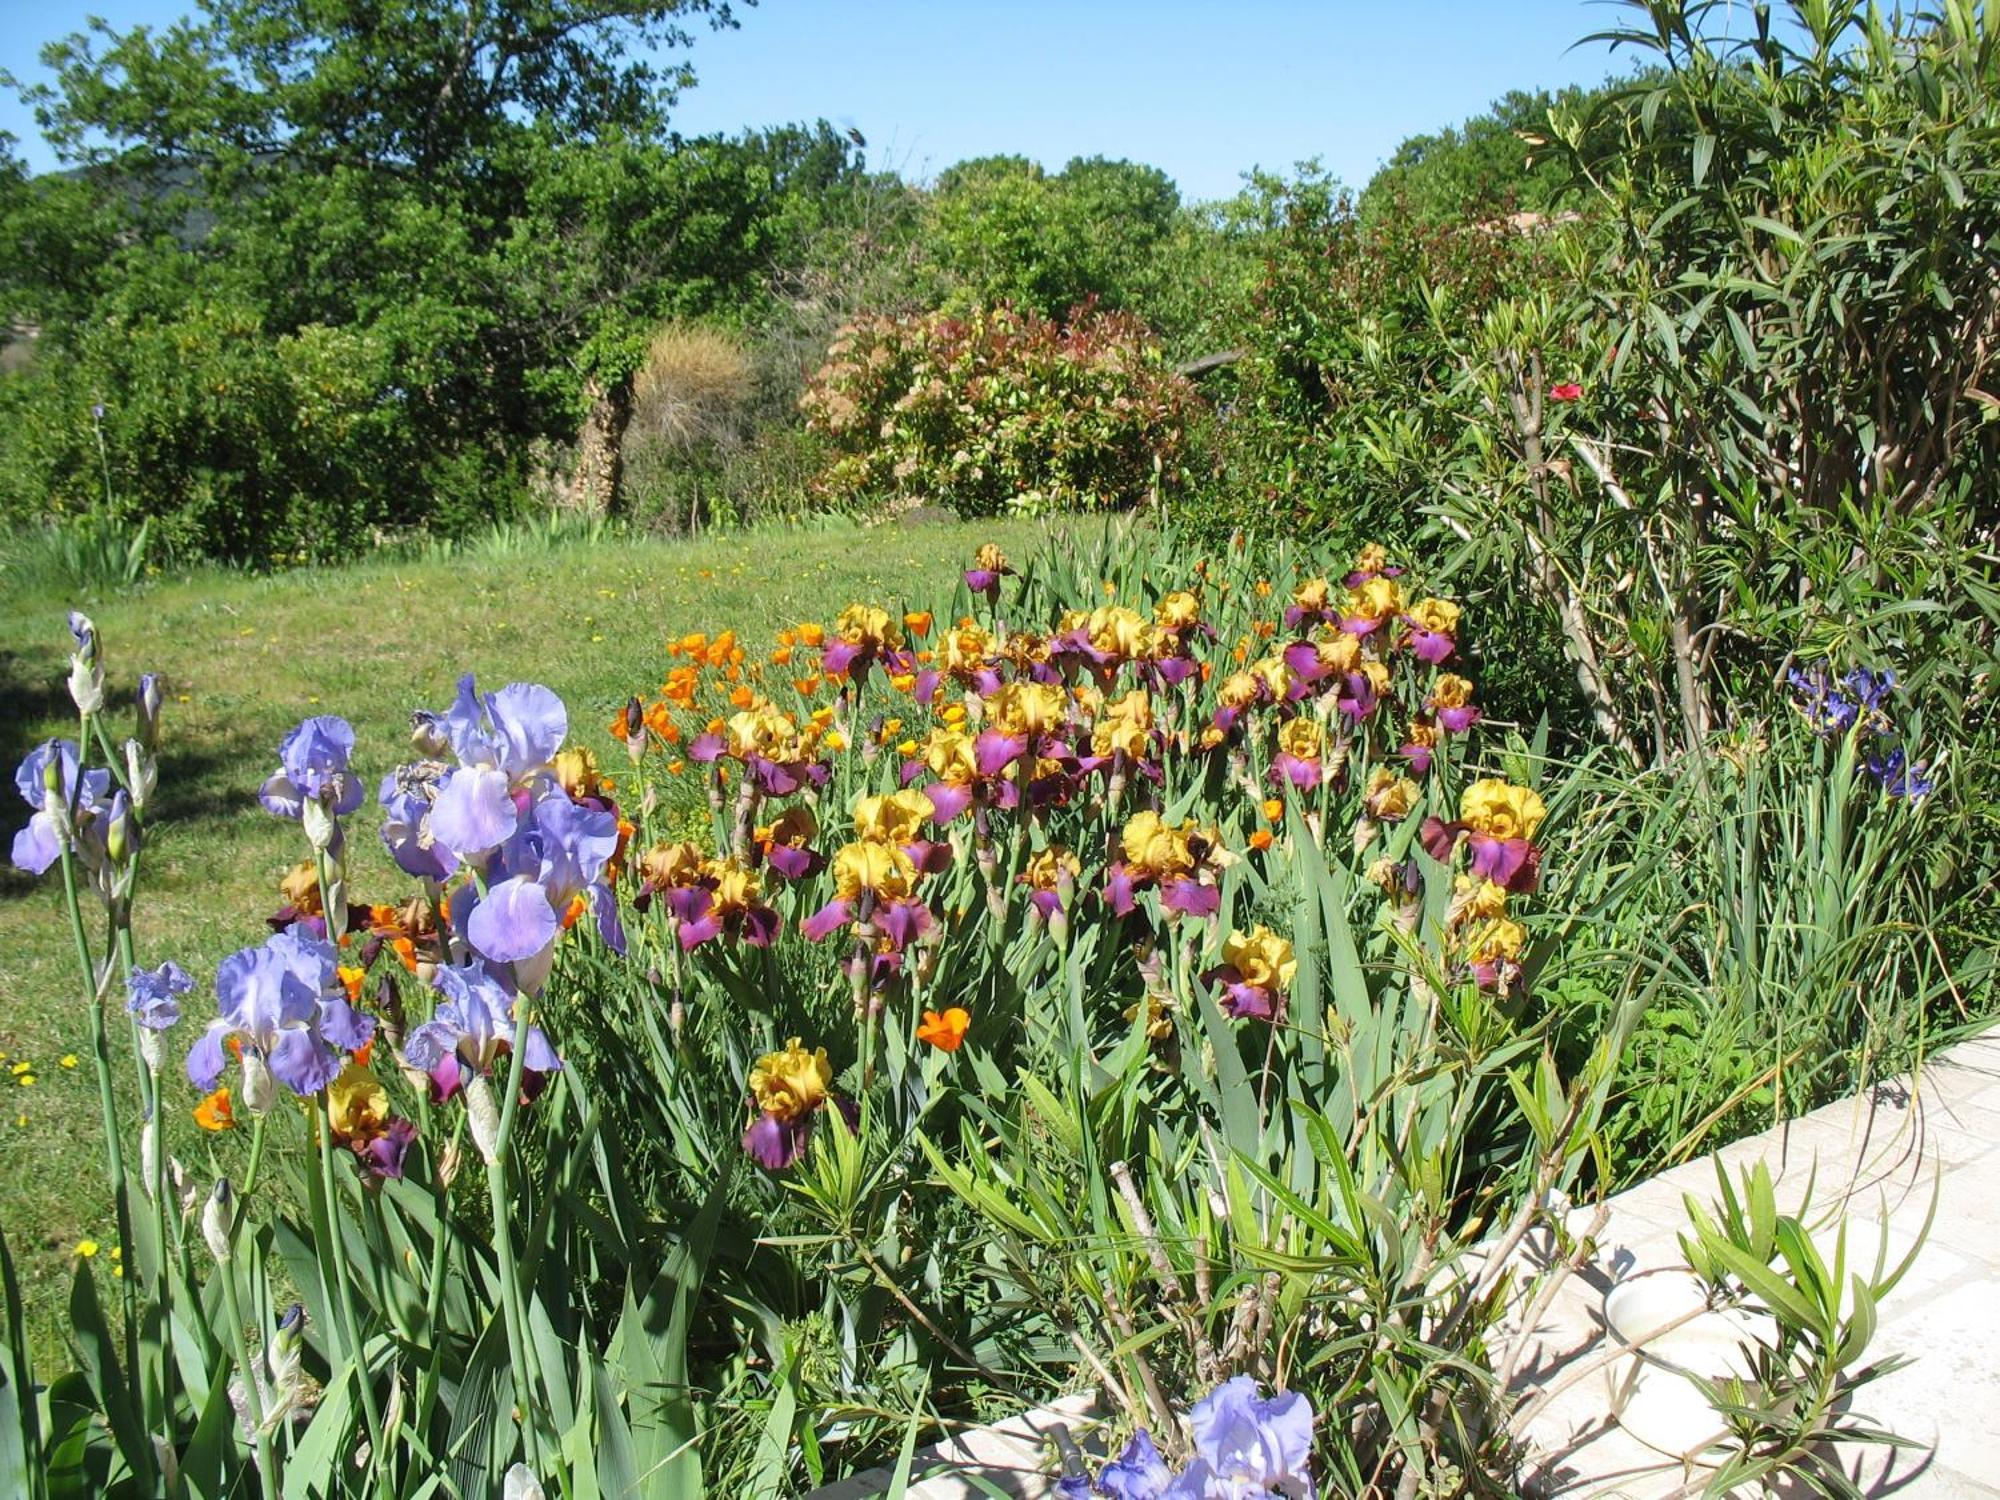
(284, 1001)
(471, 1025)
(312, 767)
(1138, 1473)
(406, 794)
(1901, 777)
(382, 1155)
(558, 854)
(155, 1002)
(504, 742)
(1247, 1446)
(40, 844)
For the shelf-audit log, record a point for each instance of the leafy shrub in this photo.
(1000, 410)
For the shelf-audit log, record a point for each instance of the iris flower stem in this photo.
(525, 1367)
(107, 1100)
(253, 1396)
(333, 1267)
(434, 1292)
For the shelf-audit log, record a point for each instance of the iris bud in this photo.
(520, 1484)
(149, 701)
(483, 1115)
(142, 772)
(260, 1089)
(216, 1221)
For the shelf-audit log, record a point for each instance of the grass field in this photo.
(243, 659)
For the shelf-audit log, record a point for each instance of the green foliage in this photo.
(1495, 165)
(1000, 410)
(1003, 230)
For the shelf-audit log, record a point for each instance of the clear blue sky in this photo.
(1203, 91)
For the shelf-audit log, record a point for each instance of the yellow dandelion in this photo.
(87, 1248)
(69, 1059)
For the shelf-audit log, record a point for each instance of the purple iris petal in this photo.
(982, 580)
(155, 995)
(206, 1059)
(1118, 889)
(930, 857)
(705, 748)
(1357, 696)
(473, 1022)
(514, 922)
(838, 656)
(1191, 898)
(383, 1155)
(302, 1063)
(610, 927)
(792, 862)
(1302, 660)
(36, 846)
(1432, 646)
(828, 920)
(1419, 757)
(993, 750)
(1301, 773)
(947, 800)
(313, 767)
(1248, 1445)
(760, 926)
(903, 922)
(1512, 863)
(474, 811)
(775, 1144)
(1138, 1473)
(1458, 720)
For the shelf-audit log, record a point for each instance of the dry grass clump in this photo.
(691, 390)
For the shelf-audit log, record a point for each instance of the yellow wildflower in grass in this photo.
(792, 1082)
(69, 1059)
(86, 1248)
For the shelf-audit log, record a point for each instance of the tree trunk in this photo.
(593, 481)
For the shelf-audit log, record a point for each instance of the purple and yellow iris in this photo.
(1255, 974)
(1184, 864)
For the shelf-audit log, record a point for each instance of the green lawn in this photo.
(243, 659)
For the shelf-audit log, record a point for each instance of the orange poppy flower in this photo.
(214, 1113)
(1273, 809)
(365, 1053)
(350, 980)
(945, 1032)
(918, 623)
(1261, 840)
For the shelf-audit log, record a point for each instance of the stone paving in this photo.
(1870, 1161)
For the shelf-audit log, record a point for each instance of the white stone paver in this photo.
(1868, 1162)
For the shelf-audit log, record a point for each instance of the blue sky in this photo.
(1202, 91)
